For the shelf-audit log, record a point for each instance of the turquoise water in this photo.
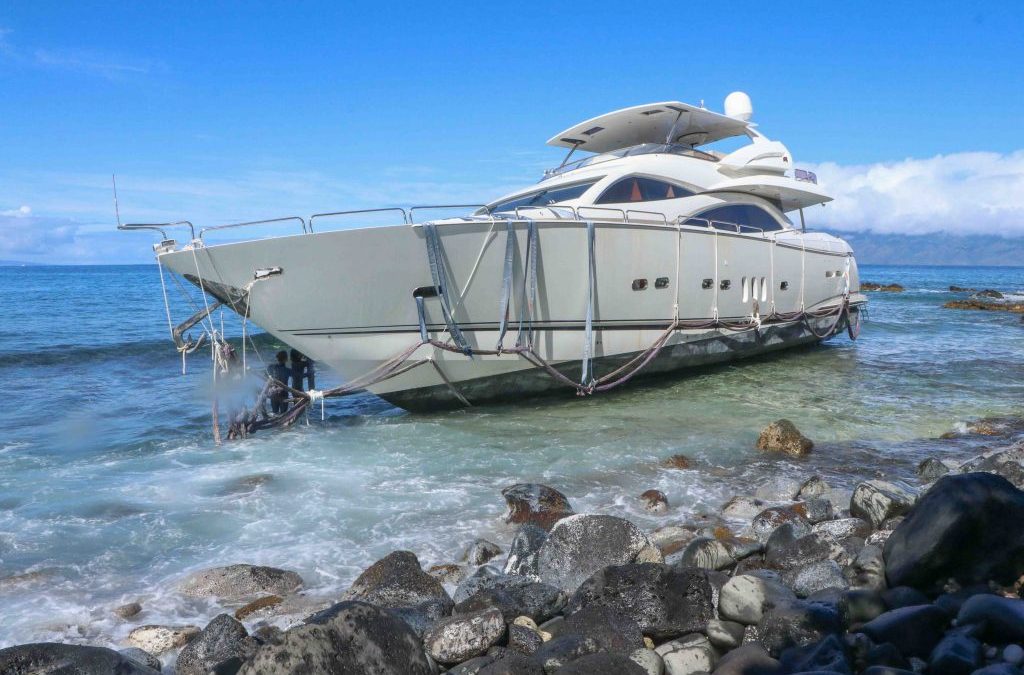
(111, 488)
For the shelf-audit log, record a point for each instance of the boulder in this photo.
(913, 630)
(422, 616)
(778, 489)
(665, 601)
(580, 545)
(61, 659)
(706, 553)
(142, 657)
(649, 661)
(818, 576)
(750, 659)
(827, 656)
(769, 520)
(931, 468)
(486, 576)
(796, 624)
(523, 638)
(785, 551)
(481, 551)
(397, 580)
(876, 501)
(966, 527)
(783, 436)
(818, 509)
(257, 605)
(742, 508)
(536, 504)
(349, 637)
(746, 598)
(844, 528)
(223, 639)
(565, 649)
(815, 486)
(688, 655)
(613, 630)
(240, 583)
(517, 596)
(1001, 619)
(159, 639)
(724, 635)
(462, 637)
(955, 655)
(128, 610)
(654, 501)
(524, 550)
(510, 663)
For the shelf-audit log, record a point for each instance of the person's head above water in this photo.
(282, 356)
(297, 356)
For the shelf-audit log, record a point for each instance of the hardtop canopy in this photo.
(668, 122)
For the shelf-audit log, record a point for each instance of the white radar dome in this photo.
(738, 106)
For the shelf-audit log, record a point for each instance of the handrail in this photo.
(603, 208)
(664, 218)
(412, 209)
(405, 217)
(159, 227)
(552, 207)
(255, 222)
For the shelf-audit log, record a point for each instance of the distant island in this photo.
(935, 249)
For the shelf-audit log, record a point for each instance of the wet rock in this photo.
(867, 570)
(665, 601)
(447, 573)
(536, 504)
(844, 528)
(966, 527)
(128, 610)
(783, 436)
(61, 659)
(481, 551)
(677, 462)
(989, 293)
(484, 577)
(459, 638)
(524, 639)
(931, 469)
(724, 635)
(864, 605)
(565, 649)
(1002, 619)
(745, 598)
(257, 605)
(706, 553)
(349, 637)
(815, 486)
(955, 655)
(817, 510)
(649, 661)
(524, 550)
(885, 288)
(750, 659)
(986, 305)
(397, 580)
(796, 624)
(160, 639)
(654, 501)
(829, 656)
(784, 551)
(772, 518)
(246, 484)
(876, 501)
(951, 602)
(613, 630)
(913, 630)
(742, 508)
(778, 489)
(422, 616)
(688, 655)
(240, 583)
(818, 576)
(517, 596)
(511, 663)
(223, 639)
(903, 596)
(142, 657)
(578, 546)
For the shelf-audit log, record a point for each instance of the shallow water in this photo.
(111, 488)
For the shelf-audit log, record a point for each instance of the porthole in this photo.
(639, 284)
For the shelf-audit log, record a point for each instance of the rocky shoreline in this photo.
(796, 577)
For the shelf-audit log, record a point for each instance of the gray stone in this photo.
(745, 598)
(797, 624)
(350, 637)
(486, 576)
(818, 576)
(955, 655)
(778, 489)
(783, 552)
(128, 610)
(580, 545)
(817, 510)
(931, 469)
(602, 664)
(876, 501)
(665, 601)
(524, 639)
(524, 550)
(844, 528)
(60, 659)
(706, 553)
(613, 630)
(814, 486)
(750, 659)
(537, 504)
(517, 596)
(240, 583)
(649, 660)
(460, 638)
(564, 649)
(724, 635)
(397, 580)
(482, 551)
(511, 663)
(766, 522)
(913, 630)
(159, 639)
(1002, 618)
(829, 656)
(142, 657)
(783, 436)
(742, 508)
(868, 569)
(688, 655)
(223, 639)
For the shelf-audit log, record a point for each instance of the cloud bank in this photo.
(962, 193)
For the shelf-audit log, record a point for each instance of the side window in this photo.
(640, 189)
(748, 217)
(544, 197)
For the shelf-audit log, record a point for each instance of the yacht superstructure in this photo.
(651, 254)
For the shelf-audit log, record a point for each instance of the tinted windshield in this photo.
(554, 195)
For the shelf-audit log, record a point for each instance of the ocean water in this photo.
(111, 488)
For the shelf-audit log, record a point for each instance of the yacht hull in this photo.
(346, 299)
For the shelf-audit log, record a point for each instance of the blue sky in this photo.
(232, 111)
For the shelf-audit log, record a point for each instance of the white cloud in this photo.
(961, 193)
(20, 212)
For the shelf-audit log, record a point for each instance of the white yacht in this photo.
(650, 254)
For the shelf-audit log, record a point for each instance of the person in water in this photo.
(302, 371)
(281, 374)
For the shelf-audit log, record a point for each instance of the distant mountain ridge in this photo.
(935, 249)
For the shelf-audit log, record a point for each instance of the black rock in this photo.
(931, 468)
(562, 650)
(750, 659)
(877, 501)
(511, 664)
(473, 666)
(903, 596)
(955, 655)
(913, 630)
(459, 638)
(1001, 619)
(952, 602)
(481, 551)
(665, 601)
(517, 596)
(828, 655)
(580, 545)
(397, 580)
(886, 670)
(614, 631)
(223, 639)
(422, 616)
(886, 655)
(864, 605)
(524, 639)
(602, 664)
(998, 669)
(796, 624)
(966, 527)
(486, 576)
(524, 549)
(51, 657)
(785, 550)
(536, 504)
(350, 637)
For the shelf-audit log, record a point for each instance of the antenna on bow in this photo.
(117, 211)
